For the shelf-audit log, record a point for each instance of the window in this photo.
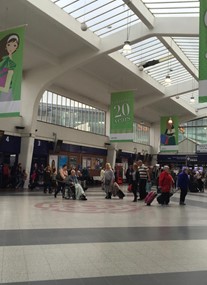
(59, 110)
(195, 130)
(141, 134)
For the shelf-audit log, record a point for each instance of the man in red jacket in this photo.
(165, 183)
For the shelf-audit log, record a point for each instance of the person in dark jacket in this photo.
(128, 174)
(135, 181)
(47, 179)
(183, 184)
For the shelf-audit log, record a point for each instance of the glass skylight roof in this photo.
(166, 8)
(190, 47)
(187, 96)
(103, 17)
(152, 49)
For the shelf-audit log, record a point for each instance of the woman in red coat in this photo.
(165, 183)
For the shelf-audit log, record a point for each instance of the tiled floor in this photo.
(44, 240)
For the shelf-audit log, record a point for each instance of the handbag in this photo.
(129, 189)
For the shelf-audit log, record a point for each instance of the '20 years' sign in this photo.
(121, 116)
(121, 113)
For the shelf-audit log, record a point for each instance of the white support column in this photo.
(31, 94)
(25, 157)
(111, 155)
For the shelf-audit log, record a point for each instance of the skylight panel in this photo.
(162, 8)
(101, 17)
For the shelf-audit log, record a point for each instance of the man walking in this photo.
(183, 184)
(144, 177)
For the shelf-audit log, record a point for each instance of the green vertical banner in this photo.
(122, 116)
(11, 55)
(203, 52)
(169, 134)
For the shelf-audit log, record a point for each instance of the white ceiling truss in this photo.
(163, 35)
(174, 55)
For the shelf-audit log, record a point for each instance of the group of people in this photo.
(69, 182)
(139, 176)
(12, 176)
(72, 183)
(166, 182)
(197, 180)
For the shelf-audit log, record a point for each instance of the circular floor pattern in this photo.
(89, 206)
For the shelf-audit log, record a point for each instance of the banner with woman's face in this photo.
(11, 55)
(169, 134)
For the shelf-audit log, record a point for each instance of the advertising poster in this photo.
(203, 53)
(62, 159)
(53, 161)
(122, 116)
(11, 57)
(169, 134)
(72, 162)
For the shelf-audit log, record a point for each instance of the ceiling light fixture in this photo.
(192, 99)
(168, 79)
(84, 26)
(127, 49)
(170, 121)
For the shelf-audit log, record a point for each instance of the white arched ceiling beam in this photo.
(179, 55)
(148, 19)
(169, 92)
(162, 26)
(132, 68)
(142, 12)
(170, 26)
(66, 21)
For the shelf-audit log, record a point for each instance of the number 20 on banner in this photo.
(122, 112)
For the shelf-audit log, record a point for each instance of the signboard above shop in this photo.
(199, 158)
(201, 148)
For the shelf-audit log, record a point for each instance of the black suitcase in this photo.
(120, 194)
(160, 199)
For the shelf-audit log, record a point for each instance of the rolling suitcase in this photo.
(120, 194)
(116, 191)
(160, 199)
(150, 197)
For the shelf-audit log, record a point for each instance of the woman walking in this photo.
(108, 180)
